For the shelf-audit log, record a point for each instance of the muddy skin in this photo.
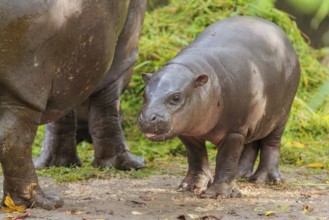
(54, 56)
(233, 86)
(99, 116)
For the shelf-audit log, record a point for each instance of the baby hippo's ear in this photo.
(200, 80)
(146, 77)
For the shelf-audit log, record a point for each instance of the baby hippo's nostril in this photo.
(153, 117)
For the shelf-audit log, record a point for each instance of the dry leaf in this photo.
(147, 198)
(11, 207)
(23, 215)
(307, 209)
(73, 212)
(268, 213)
(316, 165)
(136, 213)
(313, 192)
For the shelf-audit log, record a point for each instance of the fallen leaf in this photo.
(73, 212)
(269, 213)
(307, 209)
(313, 192)
(315, 165)
(23, 216)
(192, 216)
(147, 198)
(11, 207)
(136, 213)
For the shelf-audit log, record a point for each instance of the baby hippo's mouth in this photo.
(159, 137)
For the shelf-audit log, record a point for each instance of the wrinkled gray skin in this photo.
(100, 113)
(54, 55)
(233, 86)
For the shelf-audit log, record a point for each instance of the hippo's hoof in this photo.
(244, 174)
(39, 199)
(46, 201)
(123, 161)
(197, 183)
(264, 176)
(222, 190)
(44, 161)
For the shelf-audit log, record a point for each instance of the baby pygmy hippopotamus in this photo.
(233, 86)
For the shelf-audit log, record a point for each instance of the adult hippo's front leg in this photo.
(18, 126)
(198, 176)
(227, 160)
(110, 145)
(59, 145)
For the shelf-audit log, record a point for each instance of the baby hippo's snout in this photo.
(154, 125)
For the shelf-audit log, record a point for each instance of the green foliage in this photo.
(318, 8)
(169, 29)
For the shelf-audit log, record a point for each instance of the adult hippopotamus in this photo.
(233, 86)
(98, 117)
(54, 55)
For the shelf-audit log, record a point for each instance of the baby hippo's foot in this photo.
(222, 190)
(196, 182)
(264, 175)
(122, 161)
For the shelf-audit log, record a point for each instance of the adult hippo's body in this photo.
(233, 86)
(54, 55)
(97, 120)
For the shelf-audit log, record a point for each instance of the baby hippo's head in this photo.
(171, 102)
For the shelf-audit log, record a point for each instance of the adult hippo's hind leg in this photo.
(198, 176)
(110, 145)
(59, 145)
(268, 168)
(18, 126)
(247, 159)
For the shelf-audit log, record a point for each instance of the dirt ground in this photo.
(304, 195)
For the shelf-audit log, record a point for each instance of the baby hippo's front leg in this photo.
(198, 176)
(227, 160)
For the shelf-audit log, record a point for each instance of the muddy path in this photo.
(304, 195)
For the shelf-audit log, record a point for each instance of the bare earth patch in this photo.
(305, 195)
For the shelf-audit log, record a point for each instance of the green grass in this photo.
(169, 29)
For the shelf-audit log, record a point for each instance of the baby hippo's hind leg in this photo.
(247, 159)
(268, 168)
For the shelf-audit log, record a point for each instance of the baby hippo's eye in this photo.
(175, 99)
